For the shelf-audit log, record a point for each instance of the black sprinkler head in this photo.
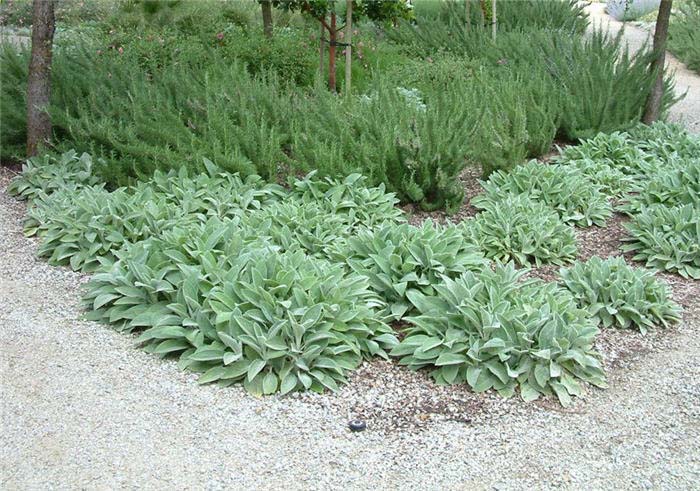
(357, 425)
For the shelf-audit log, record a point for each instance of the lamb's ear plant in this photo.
(666, 238)
(79, 229)
(665, 140)
(214, 193)
(46, 174)
(352, 197)
(613, 182)
(618, 295)
(566, 190)
(400, 258)
(237, 309)
(148, 277)
(285, 323)
(675, 187)
(638, 153)
(292, 224)
(617, 150)
(522, 230)
(492, 330)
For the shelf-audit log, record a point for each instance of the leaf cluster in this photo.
(618, 295)
(398, 259)
(493, 331)
(567, 191)
(516, 228)
(666, 238)
(238, 310)
(675, 187)
(47, 174)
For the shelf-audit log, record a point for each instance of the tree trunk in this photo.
(348, 48)
(333, 34)
(467, 13)
(493, 19)
(266, 6)
(652, 110)
(39, 80)
(321, 51)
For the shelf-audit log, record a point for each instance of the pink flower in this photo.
(219, 36)
(121, 50)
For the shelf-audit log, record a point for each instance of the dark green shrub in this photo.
(446, 31)
(390, 136)
(289, 54)
(605, 87)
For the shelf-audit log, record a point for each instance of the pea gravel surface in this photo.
(84, 408)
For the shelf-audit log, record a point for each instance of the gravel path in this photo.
(83, 408)
(686, 111)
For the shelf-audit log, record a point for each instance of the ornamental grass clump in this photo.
(492, 330)
(398, 259)
(566, 190)
(522, 230)
(666, 238)
(618, 295)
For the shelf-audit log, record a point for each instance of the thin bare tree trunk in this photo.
(348, 47)
(331, 54)
(484, 15)
(493, 19)
(39, 80)
(266, 6)
(321, 51)
(652, 110)
(467, 13)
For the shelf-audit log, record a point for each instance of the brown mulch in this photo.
(391, 397)
(14, 166)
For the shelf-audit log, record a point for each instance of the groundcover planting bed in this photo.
(244, 220)
(289, 288)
